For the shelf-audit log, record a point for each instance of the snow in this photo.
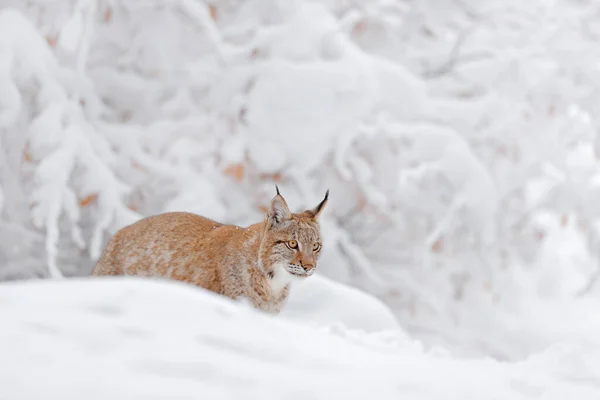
(459, 140)
(134, 338)
(320, 300)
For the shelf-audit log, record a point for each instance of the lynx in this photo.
(258, 262)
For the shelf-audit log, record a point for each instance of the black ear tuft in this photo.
(317, 210)
(277, 189)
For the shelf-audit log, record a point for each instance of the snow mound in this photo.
(140, 338)
(322, 301)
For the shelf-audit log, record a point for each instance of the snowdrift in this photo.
(115, 338)
(320, 300)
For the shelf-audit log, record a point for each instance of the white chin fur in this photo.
(282, 277)
(301, 275)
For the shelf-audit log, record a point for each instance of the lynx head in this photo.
(291, 242)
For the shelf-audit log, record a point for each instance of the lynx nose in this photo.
(308, 267)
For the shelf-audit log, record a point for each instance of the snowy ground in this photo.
(143, 339)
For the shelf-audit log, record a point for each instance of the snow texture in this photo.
(142, 339)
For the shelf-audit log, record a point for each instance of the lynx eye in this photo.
(292, 244)
(316, 246)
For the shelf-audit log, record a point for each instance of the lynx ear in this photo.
(317, 210)
(278, 210)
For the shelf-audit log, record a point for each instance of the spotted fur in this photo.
(257, 262)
